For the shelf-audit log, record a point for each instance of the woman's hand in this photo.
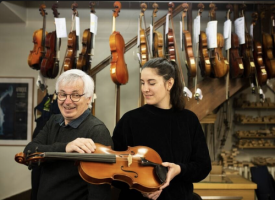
(173, 170)
(153, 195)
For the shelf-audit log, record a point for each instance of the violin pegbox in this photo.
(201, 8)
(171, 5)
(92, 6)
(143, 7)
(54, 8)
(117, 6)
(155, 7)
(42, 10)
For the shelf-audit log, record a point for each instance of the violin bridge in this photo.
(130, 160)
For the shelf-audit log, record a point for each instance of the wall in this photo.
(16, 43)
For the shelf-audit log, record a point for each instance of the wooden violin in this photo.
(118, 68)
(157, 36)
(143, 49)
(50, 63)
(258, 58)
(140, 167)
(170, 43)
(204, 64)
(84, 58)
(236, 63)
(268, 51)
(187, 40)
(246, 50)
(219, 65)
(72, 45)
(37, 54)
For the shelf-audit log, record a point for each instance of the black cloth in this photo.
(60, 179)
(177, 136)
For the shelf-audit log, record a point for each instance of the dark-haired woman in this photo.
(164, 125)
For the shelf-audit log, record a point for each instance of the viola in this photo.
(268, 52)
(50, 63)
(140, 167)
(170, 43)
(157, 36)
(37, 54)
(258, 56)
(72, 45)
(118, 68)
(143, 49)
(84, 58)
(219, 65)
(190, 59)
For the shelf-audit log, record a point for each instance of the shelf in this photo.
(254, 108)
(254, 123)
(243, 147)
(255, 137)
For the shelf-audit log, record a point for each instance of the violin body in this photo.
(191, 64)
(236, 63)
(248, 60)
(268, 55)
(69, 60)
(219, 65)
(260, 67)
(204, 58)
(118, 69)
(140, 167)
(50, 65)
(158, 44)
(83, 62)
(36, 55)
(143, 47)
(171, 45)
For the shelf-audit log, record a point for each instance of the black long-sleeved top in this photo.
(177, 136)
(60, 179)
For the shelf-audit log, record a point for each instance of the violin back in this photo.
(248, 60)
(190, 59)
(260, 67)
(171, 45)
(268, 55)
(118, 69)
(204, 58)
(69, 60)
(83, 62)
(236, 64)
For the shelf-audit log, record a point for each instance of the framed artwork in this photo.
(16, 110)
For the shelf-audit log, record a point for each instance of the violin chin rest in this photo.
(161, 172)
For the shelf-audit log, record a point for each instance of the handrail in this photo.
(104, 63)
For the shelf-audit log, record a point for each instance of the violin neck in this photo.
(93, 157)
(43, 33)
(114, 24)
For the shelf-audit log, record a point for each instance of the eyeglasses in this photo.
(74, 97)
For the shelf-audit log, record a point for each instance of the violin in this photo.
(236, 63)
(50, 63)
(143, 43)
(84, 58)
(204, 63)
(118, 68)
(258, 58)
(246, 51)
(72, 45)
(157, 36)
(170, 43)
(37, 54)
(140, 167)
(268, 52)
(219, 65)
(189, 56)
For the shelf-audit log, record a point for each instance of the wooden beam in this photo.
(213, 94)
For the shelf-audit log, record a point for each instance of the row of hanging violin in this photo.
(45, 53)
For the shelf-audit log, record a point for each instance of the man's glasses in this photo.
(74, 97)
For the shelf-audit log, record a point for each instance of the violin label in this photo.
(130, 160)
(241, 66)
(192, 61)
(263, 71)
(252, 64)
(93, 23)
(225, 61)
(77, 26)
(60, 25)
(167, 24)
(239, 29)
(207, 62)
(113, 70)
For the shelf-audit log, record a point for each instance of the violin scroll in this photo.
(117, 6)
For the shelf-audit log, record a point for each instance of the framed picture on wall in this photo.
(16, 108)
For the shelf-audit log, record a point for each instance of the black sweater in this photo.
(177, 136)
(60, 179)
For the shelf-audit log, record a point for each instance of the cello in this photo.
(157, 36)
(72, 45)
(204, 63)
(140, 167)
(50, 63)
(37, 54)
(236, 63)
(84, 58)
(219, 65)
(187, 40)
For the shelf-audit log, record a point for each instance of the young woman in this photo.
(164, 125)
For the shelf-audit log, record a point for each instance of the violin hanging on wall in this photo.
(143, 48)
(157, 36)
(37, 54)
(50, 63)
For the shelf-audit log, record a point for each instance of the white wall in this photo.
(16, 43)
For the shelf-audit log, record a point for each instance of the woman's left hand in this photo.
(153, 195)
(173, 170)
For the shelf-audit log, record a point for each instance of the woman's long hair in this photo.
(169, 69)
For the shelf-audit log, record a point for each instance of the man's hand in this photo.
(81, 145)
